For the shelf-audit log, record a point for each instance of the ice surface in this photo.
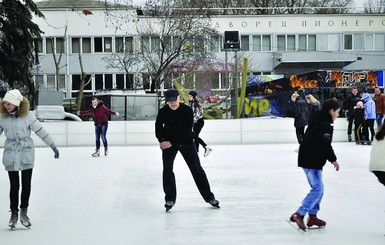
(118, 199)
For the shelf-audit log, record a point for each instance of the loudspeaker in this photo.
(231, 40)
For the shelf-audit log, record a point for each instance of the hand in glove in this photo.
(117, 114)
(56, 151)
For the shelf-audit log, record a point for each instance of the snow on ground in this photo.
(118, 199)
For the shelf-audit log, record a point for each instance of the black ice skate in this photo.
(169, 205)
(96, 153)
(214, 203)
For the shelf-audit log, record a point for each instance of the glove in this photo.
(56, 151)
(117, 114)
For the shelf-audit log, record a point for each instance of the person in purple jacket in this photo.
(99, 112)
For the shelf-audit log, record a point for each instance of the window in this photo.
(119, 45)
(98, 44)
(75, 45)
(214, 45)
(281, 43)
(108, 44)
(60, 45)
(146, 44)
(108, 81)
(245, 43)
(199, 44)
(130, 81)
(261, 43)
(327, 42)
(55, 44)
(86, 45)
(51, 83)
(374, 41)
(353, 42)
(286, 43)
(155, 44)
(306, 42)
(98, 81)
(120, 81)
(167, 42)
(50, 43)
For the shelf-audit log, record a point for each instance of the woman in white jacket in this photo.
(377, 155)
(17, 122)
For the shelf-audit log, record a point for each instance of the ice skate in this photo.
(298, 219)
(350, 137)
(214, 203)
(13, 219)
(313, 220)
(24, 219)
(169, 205)
(96, 153)
(208, 151)
(106, 151)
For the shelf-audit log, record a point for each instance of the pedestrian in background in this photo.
(358, 116)
(173, 129)
(301, 113)
(198, 122)
(17, 122)
(370, 117)
(314, 151)
(349, 103)
(99, 113)
(379, 99)
(377, 156)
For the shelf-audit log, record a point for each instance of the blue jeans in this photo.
(311, 203)
(379, 117)
(101, 131)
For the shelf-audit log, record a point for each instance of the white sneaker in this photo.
(208, 151)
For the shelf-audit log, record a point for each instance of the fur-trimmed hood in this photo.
(21, 111)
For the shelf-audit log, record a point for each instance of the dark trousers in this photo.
(26, 177)
(101, 131)
(350, 125)
(300, 132)
(380, 175)
(358, 132)
(369, 124)
(191, 157)
(197, 129)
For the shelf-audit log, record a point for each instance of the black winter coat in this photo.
(316, 147)
(301, 112)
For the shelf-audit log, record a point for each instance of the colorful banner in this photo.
(266, 97)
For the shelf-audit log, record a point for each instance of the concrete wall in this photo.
(215, 132)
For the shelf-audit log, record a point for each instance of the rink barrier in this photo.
(215, 132)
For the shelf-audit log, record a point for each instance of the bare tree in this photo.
(57, 54)
(171, 35)
(374, 6)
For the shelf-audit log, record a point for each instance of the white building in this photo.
(274, 44)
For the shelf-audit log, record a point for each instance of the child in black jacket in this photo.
(358, 116)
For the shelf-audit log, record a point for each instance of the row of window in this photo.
(127, 82)
(263, 43)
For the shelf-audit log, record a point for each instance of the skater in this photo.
(370, 117)
(377, 155)
(314, 151)
(98, 112)
(16, 122)
(198, 122)
(173, 129)
(349, 102)
(379, 99)
(300, 116)
(358, 116)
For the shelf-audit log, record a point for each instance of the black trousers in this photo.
(26, 177)
(191, 157)
(380, 176)
(197, 128)
(369, 125)
(300, 133)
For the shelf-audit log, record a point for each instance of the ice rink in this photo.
(118, 199)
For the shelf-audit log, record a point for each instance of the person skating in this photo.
(99, 112)
(358, 116)
(370, 117)
(349, 103)
(198, 122)
(173, 129)
(17, 122)
(313, 153)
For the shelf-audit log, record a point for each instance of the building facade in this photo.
(274, 45)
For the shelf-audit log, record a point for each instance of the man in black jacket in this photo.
(173, 129)
(349, 103)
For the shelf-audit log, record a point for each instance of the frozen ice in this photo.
(119, 199)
